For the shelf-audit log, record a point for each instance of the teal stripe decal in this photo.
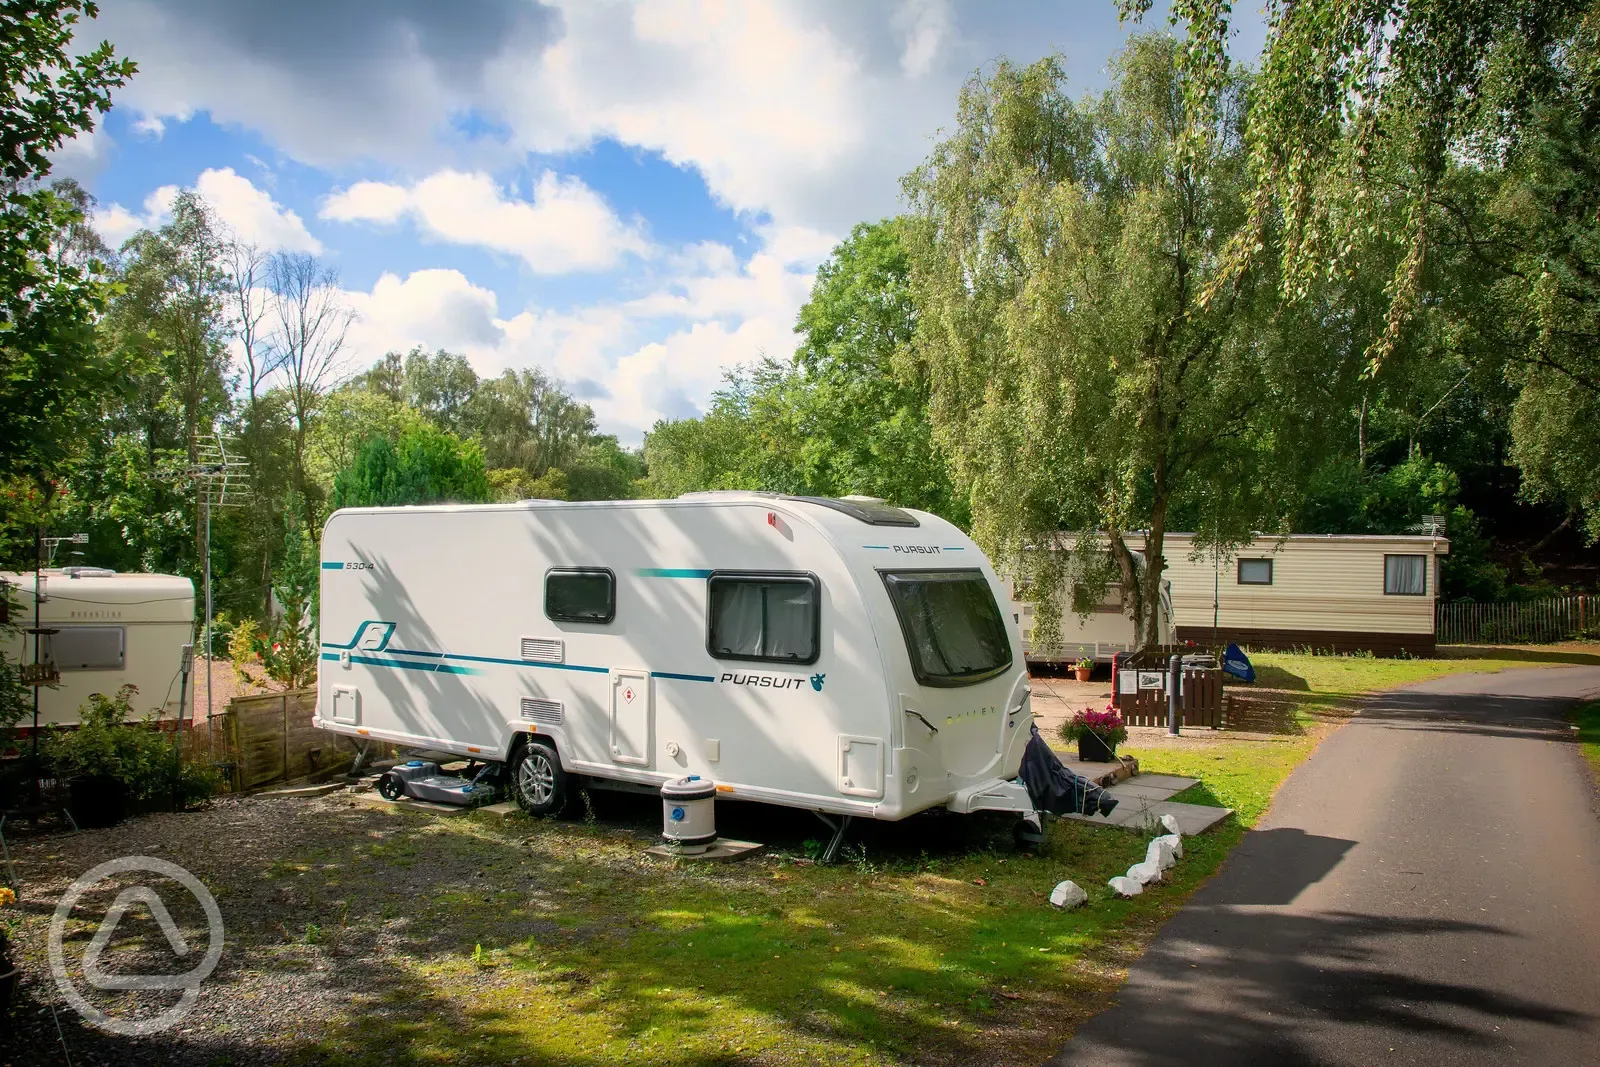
(671, 572)
(332, 566)
(683, 677)
(431, 668)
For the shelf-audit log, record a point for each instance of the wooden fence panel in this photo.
(273, 739)
(1521, 622)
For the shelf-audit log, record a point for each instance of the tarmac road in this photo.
(1424, 890)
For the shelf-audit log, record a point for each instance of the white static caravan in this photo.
(1105, 632)
(840, 656)
(113, 630)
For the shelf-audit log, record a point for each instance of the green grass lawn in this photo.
(1587, 716)
(935, 945)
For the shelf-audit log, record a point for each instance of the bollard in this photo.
(1174, 694)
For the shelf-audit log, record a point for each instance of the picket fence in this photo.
(1561, 618)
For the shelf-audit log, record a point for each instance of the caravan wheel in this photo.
(537, 780)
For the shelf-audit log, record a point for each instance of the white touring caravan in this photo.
(841, 656)
(111, 630)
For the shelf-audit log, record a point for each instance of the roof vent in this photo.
(870, 510)
(88, 572)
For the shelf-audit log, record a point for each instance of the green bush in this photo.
(140, 756)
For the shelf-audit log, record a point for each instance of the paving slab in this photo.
(305, 790)
(1137, 789)
(1177, 782)
(506, 809)
(406, 803)
(1101, 774)
(724, 849)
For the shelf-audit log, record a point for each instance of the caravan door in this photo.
(632, 717)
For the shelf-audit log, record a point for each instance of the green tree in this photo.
(51, 372)
(290, 649)
(1081, 380)
(170, 317)
(862, 423)
(425, 466)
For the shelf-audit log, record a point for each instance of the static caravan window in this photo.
(1255, 572)
(90, 648)
(951, 624)
(580, 594)
(1405, 575)
(767, 617)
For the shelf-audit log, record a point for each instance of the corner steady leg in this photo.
(831, 853)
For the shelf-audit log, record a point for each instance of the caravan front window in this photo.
(772, 617)
(951, 624)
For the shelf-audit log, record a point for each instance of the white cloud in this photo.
(925, 24)
(252, 214)
(660, 355)
(244, 210)
(150, 126)
(432, 308)
(565, 227)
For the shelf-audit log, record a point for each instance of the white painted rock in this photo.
(1145, 873)
(1160, 854)
(1126, 887)
(1176, 841)
(1170, 822)
(1068, 895)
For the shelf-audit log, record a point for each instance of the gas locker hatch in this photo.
(632, 717)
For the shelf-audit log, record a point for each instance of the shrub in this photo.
(140, 756)
(1107, 725)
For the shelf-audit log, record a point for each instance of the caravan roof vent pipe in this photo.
(688, 814)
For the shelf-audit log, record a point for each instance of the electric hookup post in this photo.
(1174, 693)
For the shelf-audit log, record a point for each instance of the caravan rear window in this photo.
(774, 617)
(951, 624)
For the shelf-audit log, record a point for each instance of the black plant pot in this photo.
(1093, 750)
(96, 800)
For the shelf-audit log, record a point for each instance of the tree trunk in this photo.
(1154, 565)
(1131, 589)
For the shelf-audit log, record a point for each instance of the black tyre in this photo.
(391, 786)
(537, 781)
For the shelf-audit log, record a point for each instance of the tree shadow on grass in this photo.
(598, 949)
(1524, 654)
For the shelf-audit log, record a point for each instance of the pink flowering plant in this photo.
(1107, 725)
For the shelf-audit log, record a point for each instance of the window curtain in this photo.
(736, 625)
(791, 609)
(1406, 575)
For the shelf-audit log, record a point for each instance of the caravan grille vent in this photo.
(543, 649)
(546, 711)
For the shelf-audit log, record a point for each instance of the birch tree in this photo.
(310, 322)
(1061, 256)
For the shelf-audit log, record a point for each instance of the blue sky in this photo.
(633, 196)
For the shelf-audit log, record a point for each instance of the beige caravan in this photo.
(1340, 592)
(111, 630)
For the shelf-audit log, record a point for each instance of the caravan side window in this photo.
(89, 648)
(580, 594)
(1405, 575)
(768, 617)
